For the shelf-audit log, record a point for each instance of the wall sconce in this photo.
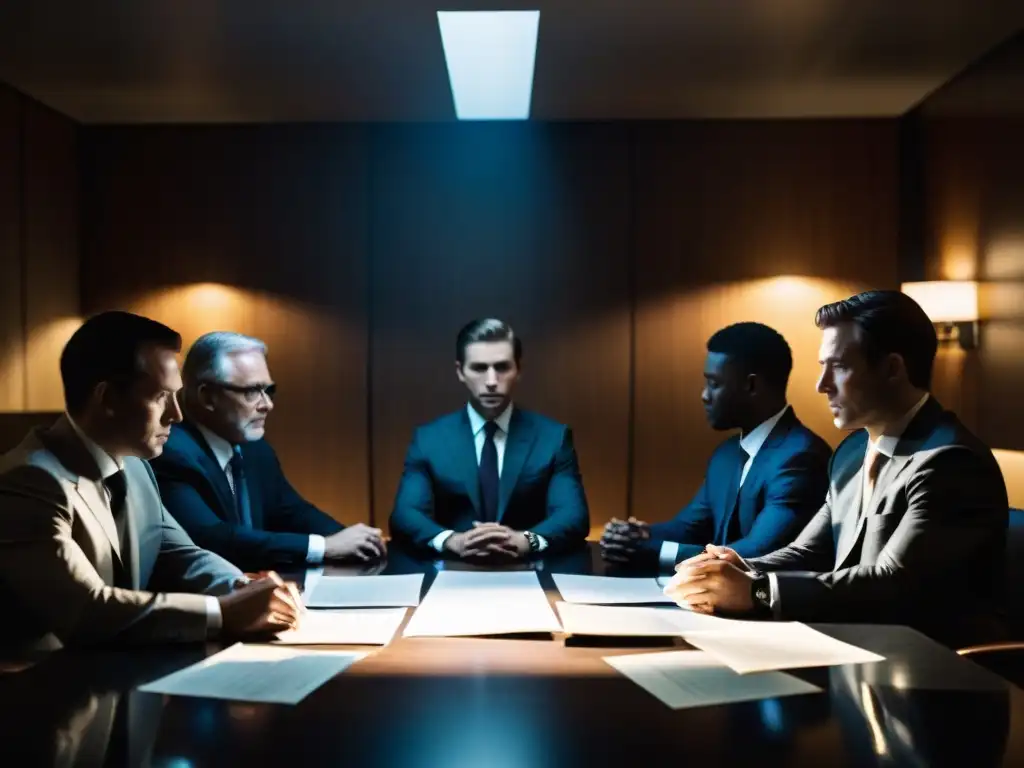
(952, 305)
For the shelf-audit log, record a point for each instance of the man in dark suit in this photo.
(913, 529)
(88, 554)
(762, 485)
(222, 481)
(491, 480)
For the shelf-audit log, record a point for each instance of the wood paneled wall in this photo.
(974, 229)
(261, 230)
(39, 250)
(615, 250)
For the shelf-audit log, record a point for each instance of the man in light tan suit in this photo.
(88, 554)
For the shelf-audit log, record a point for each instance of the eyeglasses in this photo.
(251, 394)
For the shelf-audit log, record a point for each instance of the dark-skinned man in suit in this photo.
(761, 485)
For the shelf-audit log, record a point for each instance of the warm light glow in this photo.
(490, 57)
(946, 301)
(1012, 465)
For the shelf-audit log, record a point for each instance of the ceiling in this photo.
(112, 61)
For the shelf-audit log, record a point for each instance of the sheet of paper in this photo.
(769, 645)
(608, 590)
(684, 679)
(262, 673)
(466, 603)
(348, 626)
(365, 591)
(623, 621)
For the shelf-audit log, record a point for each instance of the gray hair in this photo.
(205, 360)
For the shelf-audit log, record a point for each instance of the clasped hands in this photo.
(488, 541)
(715, 580)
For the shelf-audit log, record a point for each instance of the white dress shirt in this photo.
(884, 445)
(224, 452)
(750, 443)
(477, 424)
(110, 466)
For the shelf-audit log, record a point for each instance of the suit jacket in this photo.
(926, 552)
(784, 487)
(58, 559)
(540, 487)
(196, 491)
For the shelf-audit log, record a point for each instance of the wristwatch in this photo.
(761, 591)
(534, 542)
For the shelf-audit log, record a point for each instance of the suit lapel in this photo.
(210, 466)
(89, 492)
(133, 511)
(465, 457)
(730, 496)
(517, 448)
(849, 503)
(751, 484)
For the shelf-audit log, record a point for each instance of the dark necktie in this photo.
(117, 487)
(489, 474)
(242, 508)
(731, 531)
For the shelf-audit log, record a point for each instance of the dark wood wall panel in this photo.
(261, 230)
(974, 218)
(12, 329)
(739, 221)
(39, 250)
(526, 222)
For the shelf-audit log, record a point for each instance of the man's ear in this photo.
(204, 397)
(103, 398)
(458, 372)
(895, 367)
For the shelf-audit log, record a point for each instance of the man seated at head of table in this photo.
(913, 529)
(762, 485)
(222, 480)
(88, 554)
(491, 481)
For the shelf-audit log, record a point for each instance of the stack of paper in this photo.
(352, 626)
(683, 679)
(466, 603)
(364, 591)
(776, 645)
(619, 621)
(608, 590)
(256, 673)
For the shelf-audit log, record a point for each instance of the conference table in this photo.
(508, 702)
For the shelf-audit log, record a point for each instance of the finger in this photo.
(293, 590)
(283, 602)
(489, 537)
(701, 558)
(369, 549)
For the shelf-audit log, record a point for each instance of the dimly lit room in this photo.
(270, 273)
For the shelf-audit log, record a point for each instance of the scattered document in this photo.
(763, 646)
(467, 603)
(621, 621)
(684, 679)
(349, 626)
(608, 590)
(365, 591)
(261, 673)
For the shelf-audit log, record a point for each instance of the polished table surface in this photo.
(537, 702)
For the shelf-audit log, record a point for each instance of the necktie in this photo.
(873, 463)
(117, 487)
(241, 490)
(731, 530)
(489, 474)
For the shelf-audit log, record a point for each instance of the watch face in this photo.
(762, 594)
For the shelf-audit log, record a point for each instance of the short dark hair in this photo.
(488, 329)
(890, 322)
(757, 349)
(106, 348)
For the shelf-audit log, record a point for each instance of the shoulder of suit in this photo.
(540, 421)
(809, 438)
(853, 442)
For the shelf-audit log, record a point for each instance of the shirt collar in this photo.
(752, 441)
(107, 464)
(222, 449)
(886, 444)
(477, 422)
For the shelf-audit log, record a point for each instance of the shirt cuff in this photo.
(542, 543)
(214, 620)
(668, 554)
(315, 552)
(775, 602)
(438, 541)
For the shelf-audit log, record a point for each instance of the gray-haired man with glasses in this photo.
(223, 482)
